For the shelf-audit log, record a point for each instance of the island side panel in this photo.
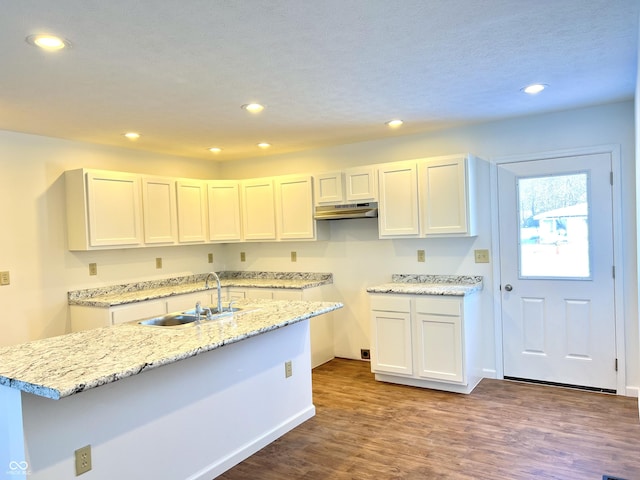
(13, 462)
(192, 419)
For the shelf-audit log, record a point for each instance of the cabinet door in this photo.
(398, 203)
(258, 210)
(115, 213)
(439, 344)
(444, 202)
(329, 188)
(258, 293)
(159, 210)
(361, 184)
(224, 211)
(180, 303)
(294, 208)
(391, 350)
(192, 211)
(137, 311)
(287, 294)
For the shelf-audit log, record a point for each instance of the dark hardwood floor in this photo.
(365, 429)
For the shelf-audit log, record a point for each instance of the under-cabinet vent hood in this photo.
(345, 211)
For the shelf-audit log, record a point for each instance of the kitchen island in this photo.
(221, 394)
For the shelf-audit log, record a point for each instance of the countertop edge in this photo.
(134, 369)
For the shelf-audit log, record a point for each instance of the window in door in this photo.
(554, 227)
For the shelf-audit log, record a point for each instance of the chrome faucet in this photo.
(206, 285)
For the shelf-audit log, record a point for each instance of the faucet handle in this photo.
(199, 308)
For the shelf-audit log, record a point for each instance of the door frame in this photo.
(614, 151)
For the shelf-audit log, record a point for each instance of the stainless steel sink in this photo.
(170, 320)
(185, 318)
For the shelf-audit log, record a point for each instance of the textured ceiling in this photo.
(329, 71)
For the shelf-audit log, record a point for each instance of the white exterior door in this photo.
(556, 267)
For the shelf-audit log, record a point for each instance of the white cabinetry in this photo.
(294, 208)
(224, 211)
(398, 205)
(447, 195)
(391, 350)
(104, 209)
(353, 185)
(426, 341)
(192, 211)
(86, 318)
(428, 197)
(320, 327)
(159, 210)
(258, 210)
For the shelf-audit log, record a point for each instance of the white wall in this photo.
(358, 259)
(33, 240)
(33, 246)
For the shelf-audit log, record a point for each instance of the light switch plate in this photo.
(159, 262)
(5, 278)
(243, 257)
(93, 269)
(210, 257)
(421, 257)
(482, 256)
(294, 256)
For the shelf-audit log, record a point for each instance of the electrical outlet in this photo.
(83, 460)
(210, 257)
(243, 257)
(288, 369)
(482, 256)
(93, 269)
(294, 256)
(421, 255)
(5, 278)
(159, 262)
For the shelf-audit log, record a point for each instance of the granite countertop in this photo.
(456, 285)
(150, 290)
(56, 367)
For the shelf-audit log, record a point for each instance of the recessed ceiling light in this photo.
(253, 107)
(264, 145)
(48, 42)
(215, 149)
(132, 135)
(534, 88)
(394, 123)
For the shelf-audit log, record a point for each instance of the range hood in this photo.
(346, 211)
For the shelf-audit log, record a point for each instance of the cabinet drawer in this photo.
(439, 306)
(391, 304)
(137, 311)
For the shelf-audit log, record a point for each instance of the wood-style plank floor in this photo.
(365, 429)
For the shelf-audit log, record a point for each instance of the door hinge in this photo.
(613, 271)
(611, 178)
(616, 364)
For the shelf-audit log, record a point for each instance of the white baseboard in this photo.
(489, 373)
(224, 464)
(632, 391)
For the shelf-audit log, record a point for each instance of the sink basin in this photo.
(185, 318)
(170, 320)
(214, 311)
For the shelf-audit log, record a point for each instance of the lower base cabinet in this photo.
(429, 341)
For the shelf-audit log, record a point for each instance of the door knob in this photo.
(508, 287)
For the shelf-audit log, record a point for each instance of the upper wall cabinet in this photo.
(258, 209)
(294, 208)
(354, 185)
(398, 204)
(159, 210)
(447, 195)
(104, 209)
(428, 197)
(224, 211)
(192, 211)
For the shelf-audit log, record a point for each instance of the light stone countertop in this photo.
(137, 292)
(61, 366)
(413, 284)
